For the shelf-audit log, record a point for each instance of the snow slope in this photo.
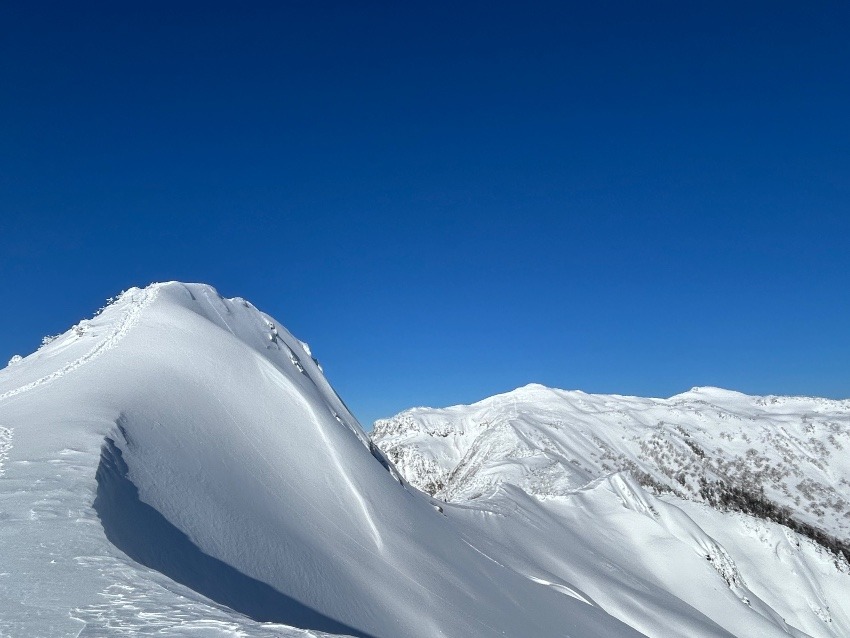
(178, 465)
(554, 475)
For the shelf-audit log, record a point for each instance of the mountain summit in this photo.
(179, 465)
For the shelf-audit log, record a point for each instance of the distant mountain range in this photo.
(727, 459)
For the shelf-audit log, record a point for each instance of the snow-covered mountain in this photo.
(786, 450)
(641, 488)
(179, 466)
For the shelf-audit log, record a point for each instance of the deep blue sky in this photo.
(447, 200)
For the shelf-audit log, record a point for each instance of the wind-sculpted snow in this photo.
(552, 464)
(147, 537)
(179, 465)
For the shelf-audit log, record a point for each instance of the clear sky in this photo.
(447, 200)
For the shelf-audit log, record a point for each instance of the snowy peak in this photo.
(787, 451)
(179, 465)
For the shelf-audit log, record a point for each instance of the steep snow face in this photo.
(551, 474)
(791, 451)
(178, 465)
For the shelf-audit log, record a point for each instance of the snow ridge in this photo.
(788, 451)
(217, 455)
(135, 300)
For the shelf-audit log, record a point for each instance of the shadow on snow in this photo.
(141, 532)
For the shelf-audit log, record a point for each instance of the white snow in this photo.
(179, 466)
(794, 448)
(557, 468)
(172, 470)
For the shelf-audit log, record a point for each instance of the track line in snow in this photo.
(139, 301)
(355, 493)
(567, 591)
(5, 445)
(212, 305)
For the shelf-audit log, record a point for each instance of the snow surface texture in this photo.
(561, 478)
(179, 466)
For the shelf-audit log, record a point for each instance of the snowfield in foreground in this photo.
(179, 466)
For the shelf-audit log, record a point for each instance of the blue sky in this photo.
(446, 200)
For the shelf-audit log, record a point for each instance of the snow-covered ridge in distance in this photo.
(758, 486)
(179, 465)
(789, 451)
